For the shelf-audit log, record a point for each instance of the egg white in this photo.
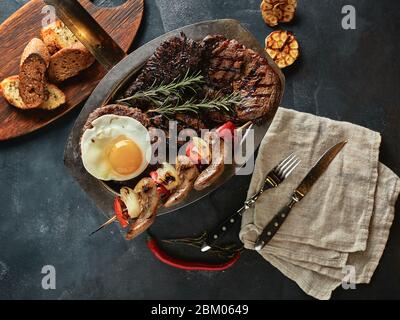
(97, 139)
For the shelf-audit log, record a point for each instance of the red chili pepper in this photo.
(119, 212)
(162, 191)
(227, 130)
(186, 265)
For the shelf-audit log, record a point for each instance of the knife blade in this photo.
(106, 51)
(299, 193)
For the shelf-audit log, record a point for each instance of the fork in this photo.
(275, 177)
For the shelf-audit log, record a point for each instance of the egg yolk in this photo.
(125, 156)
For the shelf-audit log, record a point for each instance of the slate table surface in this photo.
(45, 219)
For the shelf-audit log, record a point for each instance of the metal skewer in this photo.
(105, 224)
(247, 126)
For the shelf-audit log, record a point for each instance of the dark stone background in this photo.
(45, 218)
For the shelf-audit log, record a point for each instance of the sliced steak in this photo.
(233, 67)
(172, 59)
(119, 110)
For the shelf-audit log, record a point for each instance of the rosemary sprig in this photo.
(158, 94)
(220, 103)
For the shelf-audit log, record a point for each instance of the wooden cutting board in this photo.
(122, 23)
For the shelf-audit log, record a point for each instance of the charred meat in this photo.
(119, 110)
(227, 66)
(233, 67)
(171, 60)
(192, 121)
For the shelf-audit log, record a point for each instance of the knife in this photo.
(224, 226)
(100, 44)
(304, 187)
(272, 180)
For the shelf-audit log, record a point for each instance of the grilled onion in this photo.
(131, 201)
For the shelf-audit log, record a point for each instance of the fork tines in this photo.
(287, 165)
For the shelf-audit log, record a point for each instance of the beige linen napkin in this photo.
(344, 219)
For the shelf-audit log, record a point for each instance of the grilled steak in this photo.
(172, 59)
(227, 67)
(233, 67)
(119, 110)
(224, 62)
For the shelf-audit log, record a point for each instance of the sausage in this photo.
(216, 168)
(187, 172)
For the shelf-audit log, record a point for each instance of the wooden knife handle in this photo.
(273, 226)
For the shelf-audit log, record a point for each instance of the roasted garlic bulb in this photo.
(283, 47)
(275, 11)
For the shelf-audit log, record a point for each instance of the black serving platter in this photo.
(119, 76)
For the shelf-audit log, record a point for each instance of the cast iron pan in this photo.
(118, 77)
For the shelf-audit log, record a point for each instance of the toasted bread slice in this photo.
(57, 36)
(54, 98)
(32, 73)
(10, 91)
(68, 62)
(9, 87)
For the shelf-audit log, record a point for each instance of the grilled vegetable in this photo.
(275, 11)
(283, 47)
(131, 201)
(162, 191)
(198, 151)
(121, 215)
(227, 130)
(167, 176)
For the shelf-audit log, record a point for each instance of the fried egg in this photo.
(115, 148)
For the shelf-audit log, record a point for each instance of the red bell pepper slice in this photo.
(154, 176)
(119, 213)
(227, 130)
(162, 191)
